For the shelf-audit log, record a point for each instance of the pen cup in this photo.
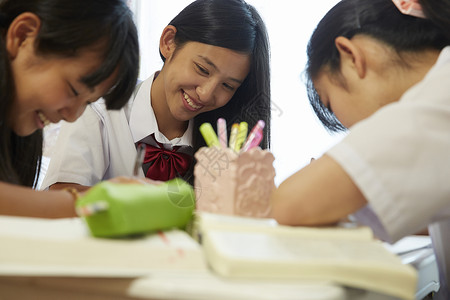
(235, 184)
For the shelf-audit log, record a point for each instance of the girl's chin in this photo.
(184, 115)
(24, 129)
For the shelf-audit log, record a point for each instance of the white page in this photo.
(64, 247)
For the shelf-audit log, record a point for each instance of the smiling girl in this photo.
(216, 64)
(52, 65)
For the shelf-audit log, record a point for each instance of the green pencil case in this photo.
(117, 209)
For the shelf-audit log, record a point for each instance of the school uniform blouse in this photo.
(101, 144)
(400, 157)
(400, 160)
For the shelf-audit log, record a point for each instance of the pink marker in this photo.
(255, 136)
(222, 132)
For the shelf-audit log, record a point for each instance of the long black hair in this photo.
(379, 19)
(235, 25)
(438, 11)
(67, 27)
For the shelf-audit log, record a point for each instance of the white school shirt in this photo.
(400, 160)
(101, 144)
(400, 156)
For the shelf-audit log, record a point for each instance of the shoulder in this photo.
(435, 86)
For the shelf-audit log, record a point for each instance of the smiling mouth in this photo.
(190, 102)
(43, 119)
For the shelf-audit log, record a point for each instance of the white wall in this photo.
(296, 133)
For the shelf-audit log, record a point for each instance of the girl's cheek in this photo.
(61, 100)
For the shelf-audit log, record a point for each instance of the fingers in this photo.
(138, 180)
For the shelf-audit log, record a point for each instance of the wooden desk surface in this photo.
(67, 288)
(163, 286)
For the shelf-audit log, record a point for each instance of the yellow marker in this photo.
(233, 136)
(241, 136)
(209, 135)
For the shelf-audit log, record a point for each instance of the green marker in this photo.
(241, 136)
(209, 135)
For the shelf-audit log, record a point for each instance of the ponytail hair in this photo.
(438, 11)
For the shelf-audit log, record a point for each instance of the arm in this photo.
(64, 185)
(319, 194)
(26, 202)
(120, 179)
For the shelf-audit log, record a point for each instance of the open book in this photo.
(57, 250)
(241, 247)
(64, 247)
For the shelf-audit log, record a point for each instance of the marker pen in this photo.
(233, 135)
(140, 154)
(92, 208)
(222, 132)
(255, 136)
(209, 135)
(241, 136)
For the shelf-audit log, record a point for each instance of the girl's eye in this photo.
(329, 108)
(228, 87)
(202, 70)
(74, 91)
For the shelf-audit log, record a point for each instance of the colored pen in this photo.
(139, 159)
(92, 208)
(233, 135)
(222, 132)
(241, 136)
(255, 136)
(209, 135)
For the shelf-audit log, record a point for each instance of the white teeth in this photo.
(43, 119)
(189, 101)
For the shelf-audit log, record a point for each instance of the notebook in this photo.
(239, 247)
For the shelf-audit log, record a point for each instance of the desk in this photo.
(191, 280)
(56, 288)
(58, 259)
(67, 288)
(418, 251)
(164, 286)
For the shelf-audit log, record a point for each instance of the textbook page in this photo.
(205, 220)
(64, 247)
(209, 286)
(249, 251)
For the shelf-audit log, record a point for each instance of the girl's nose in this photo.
(205, 91)
(72, 112)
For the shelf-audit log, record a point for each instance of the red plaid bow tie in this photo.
(166, 164)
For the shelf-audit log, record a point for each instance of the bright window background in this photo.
(297, 135)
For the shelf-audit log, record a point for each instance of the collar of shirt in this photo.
(442, 62)
(142, 120)
(444, 56)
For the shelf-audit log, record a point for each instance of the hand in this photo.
(138, 180)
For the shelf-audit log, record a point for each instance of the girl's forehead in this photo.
(217, 57)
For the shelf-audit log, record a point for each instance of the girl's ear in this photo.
(167, 41)
(22, 32)
(351, 54)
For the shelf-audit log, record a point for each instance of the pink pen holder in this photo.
(235, 184)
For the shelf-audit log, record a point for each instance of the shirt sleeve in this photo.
(80, 152)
